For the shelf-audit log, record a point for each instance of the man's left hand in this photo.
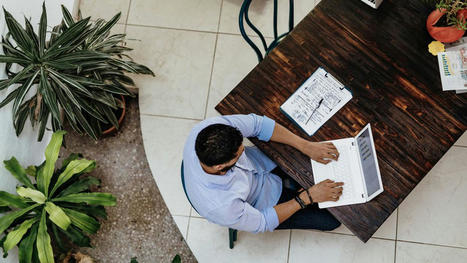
(321, 152)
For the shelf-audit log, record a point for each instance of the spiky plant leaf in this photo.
(80, 186)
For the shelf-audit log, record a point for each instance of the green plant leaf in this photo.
(57, 215)
(42, 30)
(82, 184)
(48, 94)
(26, 246)
(58, 241)
(71, 157)
(74, 167)
(19, 76)
(34, 39)
(18, 172)
(77, 237)
(4, 209)
(23, 90)
(69, 34)
(6, 220)
(11, 200)
(31, 170)
(43, 244)
(83, 122)
(18, 33)
(34, 195)
(15, 236)
(83, 221)
(177, 259)
(51, 156)
(44, 117)
(67, 16)
(20, 117)
(105, 199)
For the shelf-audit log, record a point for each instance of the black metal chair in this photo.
(232, 232)
(243, 17)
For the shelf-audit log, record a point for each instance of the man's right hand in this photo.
(326, 190)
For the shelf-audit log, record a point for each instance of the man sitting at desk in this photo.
(239, 187)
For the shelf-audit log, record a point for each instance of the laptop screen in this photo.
(368, 160)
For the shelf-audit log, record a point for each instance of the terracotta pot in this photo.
(120, 120)
(446, 34)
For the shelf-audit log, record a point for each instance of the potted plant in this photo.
(53, 206)
(447, 23)
(79, 71)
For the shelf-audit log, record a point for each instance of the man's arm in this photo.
(324, 191)
(314, 150)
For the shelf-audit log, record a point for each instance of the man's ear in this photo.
(218, 167)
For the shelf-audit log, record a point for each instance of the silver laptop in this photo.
(357, 167)
(373, 3)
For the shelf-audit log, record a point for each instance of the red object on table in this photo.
(447, 34)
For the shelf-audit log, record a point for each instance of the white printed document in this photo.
(316, 101)
(453, 66)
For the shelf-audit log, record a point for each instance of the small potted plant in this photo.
(52, 206)
(447, 23)
(77, 73)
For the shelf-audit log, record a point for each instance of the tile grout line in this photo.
(169, 117)
(397, 230)
(188, 229)
(194, 30)
(430, 244)
(290, 241)
(127, 15)
(460, 146)
(213, 61)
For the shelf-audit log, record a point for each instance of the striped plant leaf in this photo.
(105, 199)
(11, 200)
(32, 194)
(74, 167)
(18, 33)
(83, 221)
(18, 172)
(42, 30)
(57, 215)
(26, 247)
(51, 156)
(43, 244)
(18, 77)
(15, 236)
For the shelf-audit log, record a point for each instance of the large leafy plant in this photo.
(79, 70)
(57, 207)
(452, 8)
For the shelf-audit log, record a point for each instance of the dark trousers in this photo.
(309, 218)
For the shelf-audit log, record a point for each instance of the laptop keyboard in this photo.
(342, 171)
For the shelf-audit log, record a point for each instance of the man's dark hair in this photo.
(217, 144)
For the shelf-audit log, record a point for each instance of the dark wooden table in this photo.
(381, 55)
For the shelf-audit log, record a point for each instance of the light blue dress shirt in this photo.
(244, 197)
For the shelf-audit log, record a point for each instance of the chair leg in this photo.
(235, 235)
(231, 238)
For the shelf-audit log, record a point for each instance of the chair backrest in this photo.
(243, 17)
(184, 188)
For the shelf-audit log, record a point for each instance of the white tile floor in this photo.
(195, 50)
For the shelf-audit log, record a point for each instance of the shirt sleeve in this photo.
(252, 125)
(242, 216)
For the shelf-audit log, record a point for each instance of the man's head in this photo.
(218, 147)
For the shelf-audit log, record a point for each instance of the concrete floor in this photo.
(140, 225)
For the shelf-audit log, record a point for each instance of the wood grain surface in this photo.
(382, 56)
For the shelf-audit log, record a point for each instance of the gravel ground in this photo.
(140, 225)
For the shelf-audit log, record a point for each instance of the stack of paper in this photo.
(453, 66)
